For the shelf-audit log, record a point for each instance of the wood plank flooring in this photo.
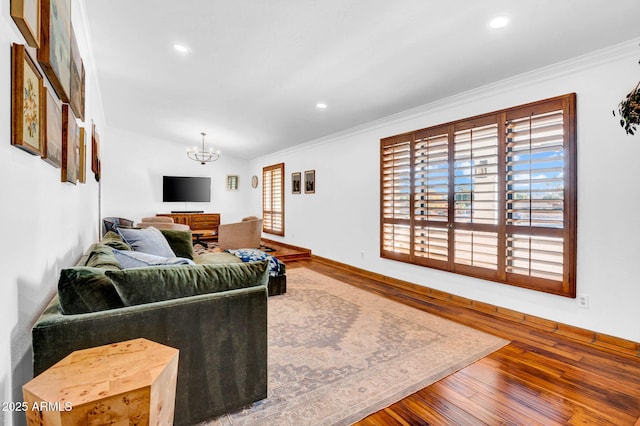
(540, 378)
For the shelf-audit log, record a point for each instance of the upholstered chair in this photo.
(112, 223)
(244, 234)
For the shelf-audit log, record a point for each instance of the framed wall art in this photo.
(95, 152)
(26, 15)
(82, 157)
(52, 130)
(54, 53)
(76, 95)
(310, 182)
(27, 102)
(232, 182)
(296, 182)
(70, 145)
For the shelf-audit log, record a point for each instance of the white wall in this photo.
(133, 166)
(45, 223)
(341, 220)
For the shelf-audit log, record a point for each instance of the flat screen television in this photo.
(186, 189)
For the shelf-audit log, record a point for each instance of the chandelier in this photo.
(203, 156)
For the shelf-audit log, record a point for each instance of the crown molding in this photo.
(621, 51)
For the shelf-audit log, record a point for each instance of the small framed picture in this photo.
(309, 181)
(54, 53)
(27, 102)
(82, 159)
(232, 182)
(296, 182)
(70, 146)
(95, 152)
(26, 14)
(52, 126)
(76, 95)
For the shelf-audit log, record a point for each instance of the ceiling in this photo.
(256, 69)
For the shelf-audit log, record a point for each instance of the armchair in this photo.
(244, 234)
(112, 223)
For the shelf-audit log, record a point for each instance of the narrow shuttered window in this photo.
(492, 197)
(273, 199)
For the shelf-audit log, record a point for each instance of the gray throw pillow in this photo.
(147, 240)
(137, 259)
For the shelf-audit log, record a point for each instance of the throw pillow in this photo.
(181, 242)
(137, 259)
(101, 256)
(114, 240)
(146, 285)
(83, 289)
(148, 240)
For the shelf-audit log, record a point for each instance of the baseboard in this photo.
(599, 340)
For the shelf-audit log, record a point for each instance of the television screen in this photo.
(186, 189)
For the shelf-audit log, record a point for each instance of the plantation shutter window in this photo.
(431, 197)
(273, 199)
(493, 196)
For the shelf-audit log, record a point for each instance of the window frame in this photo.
(272, 204)
(411, 230)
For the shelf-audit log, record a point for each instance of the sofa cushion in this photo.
(101, 256)
(114, 240)
(84, 289)
(212, 258)
(138, 259)
(148, 240)
(146, 285)
(181, 242)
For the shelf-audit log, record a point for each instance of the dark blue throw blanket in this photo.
(255, 255)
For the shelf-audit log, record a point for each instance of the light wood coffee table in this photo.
(132, 382)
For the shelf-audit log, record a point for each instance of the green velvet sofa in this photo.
(214, 310)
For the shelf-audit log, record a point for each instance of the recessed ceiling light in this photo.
(321, 105)
(181, 48)
(499, 22)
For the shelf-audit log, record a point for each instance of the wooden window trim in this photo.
(273, 206)
(401, 226)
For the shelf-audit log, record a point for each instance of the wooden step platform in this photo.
(286, 252)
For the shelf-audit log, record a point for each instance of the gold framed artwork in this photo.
(52, 129)
(95, 152)
(27, 102)
(310, 182)
(26, 15)
(76, 95)
(296, 180)
(70, 145)
(82, 157)
(54, 53)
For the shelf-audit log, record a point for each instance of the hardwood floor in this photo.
(540, 378)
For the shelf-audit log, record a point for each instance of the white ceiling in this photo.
(257, 68)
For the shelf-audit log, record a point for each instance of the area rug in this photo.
(338, 353)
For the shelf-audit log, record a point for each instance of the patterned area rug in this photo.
(338, 353)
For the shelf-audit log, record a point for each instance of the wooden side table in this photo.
(131, 382)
